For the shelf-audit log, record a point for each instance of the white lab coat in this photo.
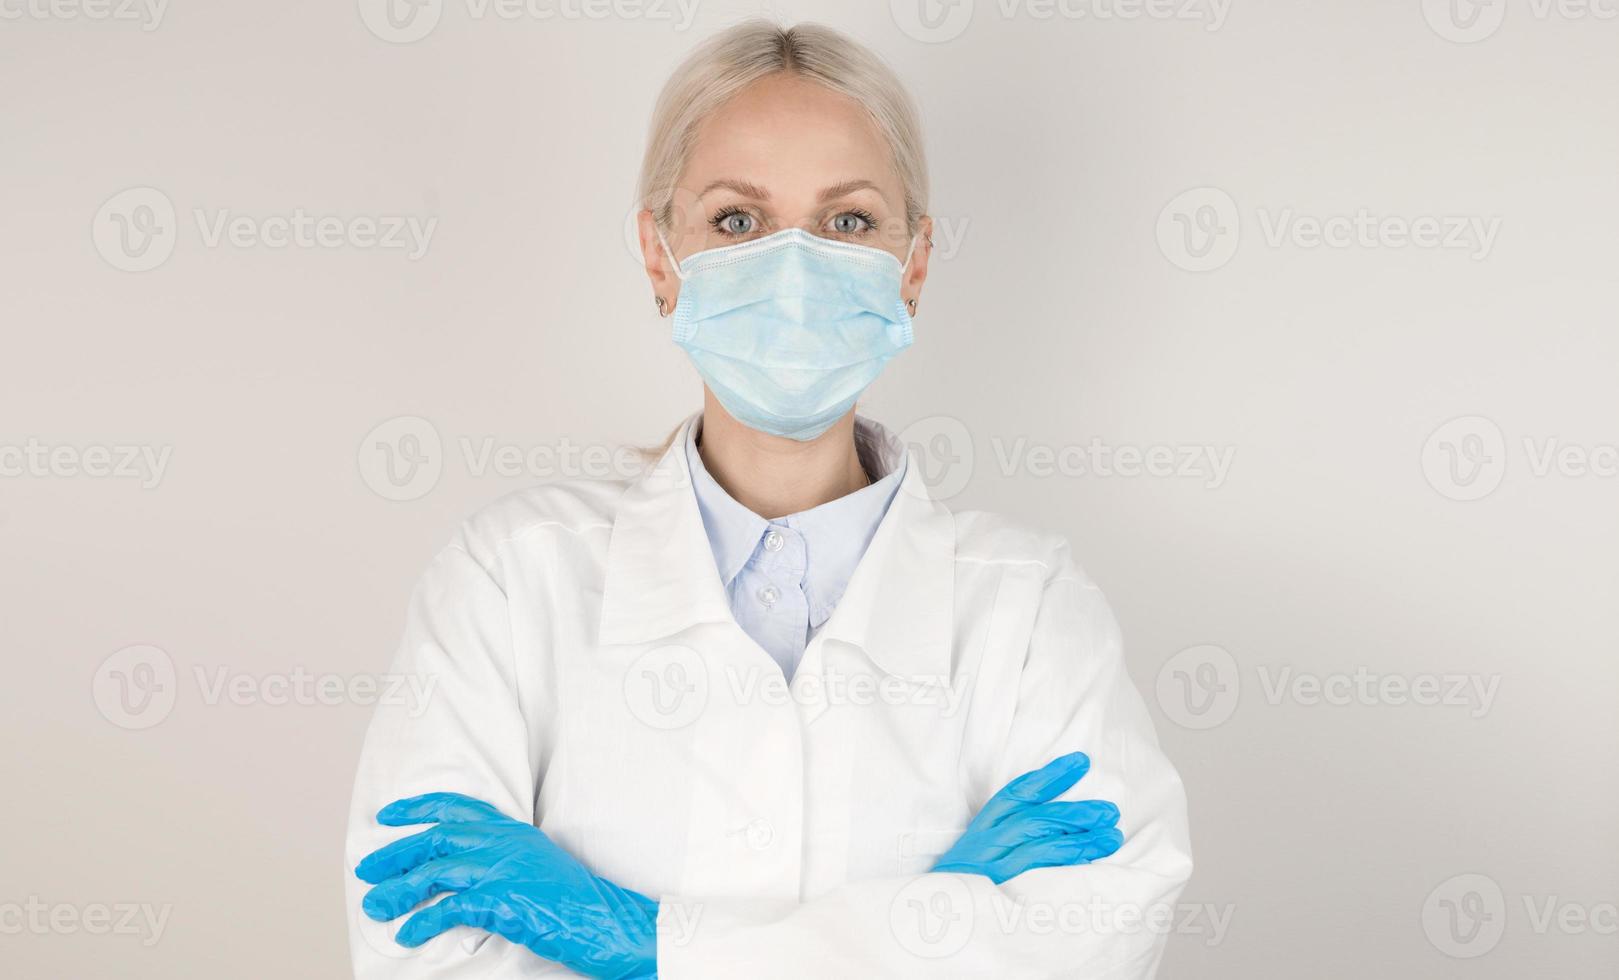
(585, 671)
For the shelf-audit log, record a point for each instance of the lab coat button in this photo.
(760, 834)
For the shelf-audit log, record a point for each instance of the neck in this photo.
(774, 476)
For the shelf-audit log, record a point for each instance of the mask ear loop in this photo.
(908, 253)
(669, 252)
(910, 304)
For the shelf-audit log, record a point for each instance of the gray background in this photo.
(1069, 306)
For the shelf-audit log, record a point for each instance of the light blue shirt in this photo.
(784, 577)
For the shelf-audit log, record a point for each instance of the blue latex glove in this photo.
(1021, 828)
(511, 880)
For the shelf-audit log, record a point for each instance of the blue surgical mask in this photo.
(787, 330)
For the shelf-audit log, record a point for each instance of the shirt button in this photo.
(760, 834)
(774, 541)
(768, 595)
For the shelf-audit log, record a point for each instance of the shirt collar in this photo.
(836, 533)
(733, 530)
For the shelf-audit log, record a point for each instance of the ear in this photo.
(659, 266)
(910, 288)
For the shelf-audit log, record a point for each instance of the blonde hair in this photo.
(732, 60)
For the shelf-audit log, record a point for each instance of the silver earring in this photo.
(660, 301)
(911, 305)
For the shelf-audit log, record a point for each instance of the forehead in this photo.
(789, 134)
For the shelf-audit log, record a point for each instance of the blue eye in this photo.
(733, 223)
(852, 223)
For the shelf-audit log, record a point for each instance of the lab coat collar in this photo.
(661, 577)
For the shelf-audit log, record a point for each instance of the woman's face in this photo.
(786, 153)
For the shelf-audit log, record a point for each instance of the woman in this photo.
(767, 711)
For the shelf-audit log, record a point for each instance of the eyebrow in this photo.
(848, 187)
(750, 189)
(743, 187)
